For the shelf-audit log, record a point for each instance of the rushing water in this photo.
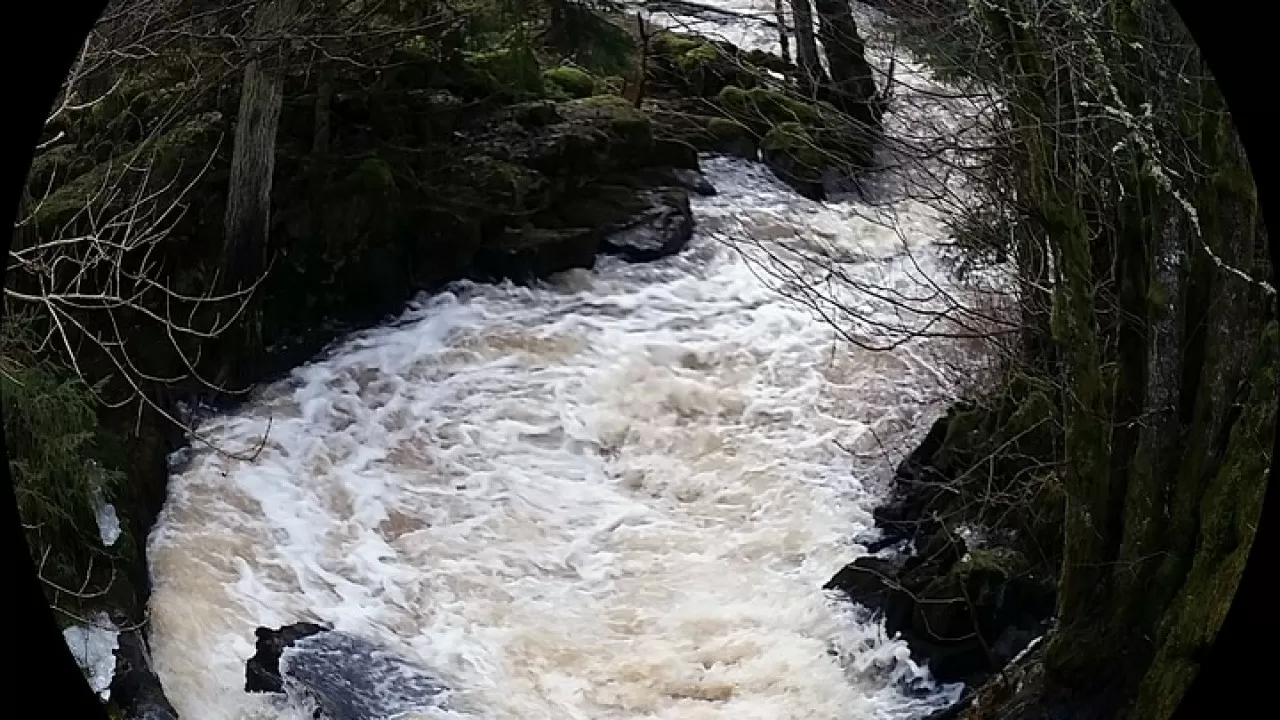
(616, 494)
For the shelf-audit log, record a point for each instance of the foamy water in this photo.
(616, 494)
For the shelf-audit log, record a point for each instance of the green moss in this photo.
(373, 174)
(625, 121)
(794, 141)
(697, 56)
(676, 44)
(507, 71)
(726, 129)
(572, 81)
(185, 147)
(1229, 517)
(762, 108)
(610, 85)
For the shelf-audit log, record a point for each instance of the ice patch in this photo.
(93, 647)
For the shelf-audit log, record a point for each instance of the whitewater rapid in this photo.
(615, 494)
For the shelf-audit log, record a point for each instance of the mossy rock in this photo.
(184, 147)
(630, 131)
(675, 44)
(524, 254)
(500, 187)
(732, 138)
(571, 81)
(795, 157)
(610, 85)
(769, 61)
(372, 175)
(690, 65)
(506, 72)
(762, 109)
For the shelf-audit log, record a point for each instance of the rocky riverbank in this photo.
(963, 564)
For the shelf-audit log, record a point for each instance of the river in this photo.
(616, 494)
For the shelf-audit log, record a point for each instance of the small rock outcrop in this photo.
(344, 676)
(965, 602)
(262, 671)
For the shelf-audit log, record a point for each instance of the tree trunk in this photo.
(248, 212)
(852, 86)
(784, 42)
(812, 75)
(1154, 459)
(1167, 375)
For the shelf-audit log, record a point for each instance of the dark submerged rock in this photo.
(346, 677)
(661, 229)
(525, 254)
(350, 678)
(262, 671)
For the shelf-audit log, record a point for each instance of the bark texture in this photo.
(248, 213)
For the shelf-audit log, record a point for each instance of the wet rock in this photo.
(693, 180)
(524, 254)
(966, 609)
(350, 678)
(675, 153)
(136, 688)
(262, 671)
(794, 156)
(661, 229)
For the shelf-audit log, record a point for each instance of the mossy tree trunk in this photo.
(1164, 349)
(248, 211)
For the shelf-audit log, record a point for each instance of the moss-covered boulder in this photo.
(701, 125)
(762, 109)
(684, 64)
(732, 138)
(968, 600)
(793, 154)
(507, 73)
(570, 81)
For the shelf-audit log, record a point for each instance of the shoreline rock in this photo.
(345, 676)
(262, 671)
(965, 606)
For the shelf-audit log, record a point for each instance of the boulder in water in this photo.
(527, 253)
(262, 671)
(345, 677)
(661, 229)
(795, 157)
